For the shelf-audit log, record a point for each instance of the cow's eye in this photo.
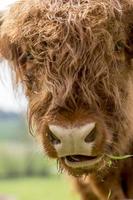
(29, 56)
(25, 57)
(119, 46)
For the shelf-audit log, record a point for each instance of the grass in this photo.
(9, 129)
(38, 189)
(28, 188)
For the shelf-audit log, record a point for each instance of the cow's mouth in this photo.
(80, 158)
(81, 161)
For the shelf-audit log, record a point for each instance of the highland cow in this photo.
(74, 61)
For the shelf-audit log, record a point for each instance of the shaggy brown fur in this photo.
(74, 60)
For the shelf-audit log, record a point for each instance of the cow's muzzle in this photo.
(74, 145)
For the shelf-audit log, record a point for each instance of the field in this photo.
(38, 189)
(19, 158)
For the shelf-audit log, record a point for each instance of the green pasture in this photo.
(38, 189)
(20, 158)
(12, 130)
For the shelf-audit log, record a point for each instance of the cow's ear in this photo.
(7, 48)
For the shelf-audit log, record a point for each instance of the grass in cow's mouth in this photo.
(112, 157)
(119, 157)
(109, 194)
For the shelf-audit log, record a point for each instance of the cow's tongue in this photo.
(79, 158)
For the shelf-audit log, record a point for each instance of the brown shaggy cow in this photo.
(74, 60)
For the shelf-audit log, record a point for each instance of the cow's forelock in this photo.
(72, 60)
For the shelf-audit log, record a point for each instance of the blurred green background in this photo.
(25, 172)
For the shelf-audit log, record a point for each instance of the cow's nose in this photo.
(73, 141)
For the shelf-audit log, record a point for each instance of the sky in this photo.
(9, 100)
(4, 3)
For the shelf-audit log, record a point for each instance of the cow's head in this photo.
(74, 60)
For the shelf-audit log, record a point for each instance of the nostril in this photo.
(91, 136)
(52, 138)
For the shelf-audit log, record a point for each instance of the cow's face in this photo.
(74, 60)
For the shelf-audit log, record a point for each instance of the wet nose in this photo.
(72, 141)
